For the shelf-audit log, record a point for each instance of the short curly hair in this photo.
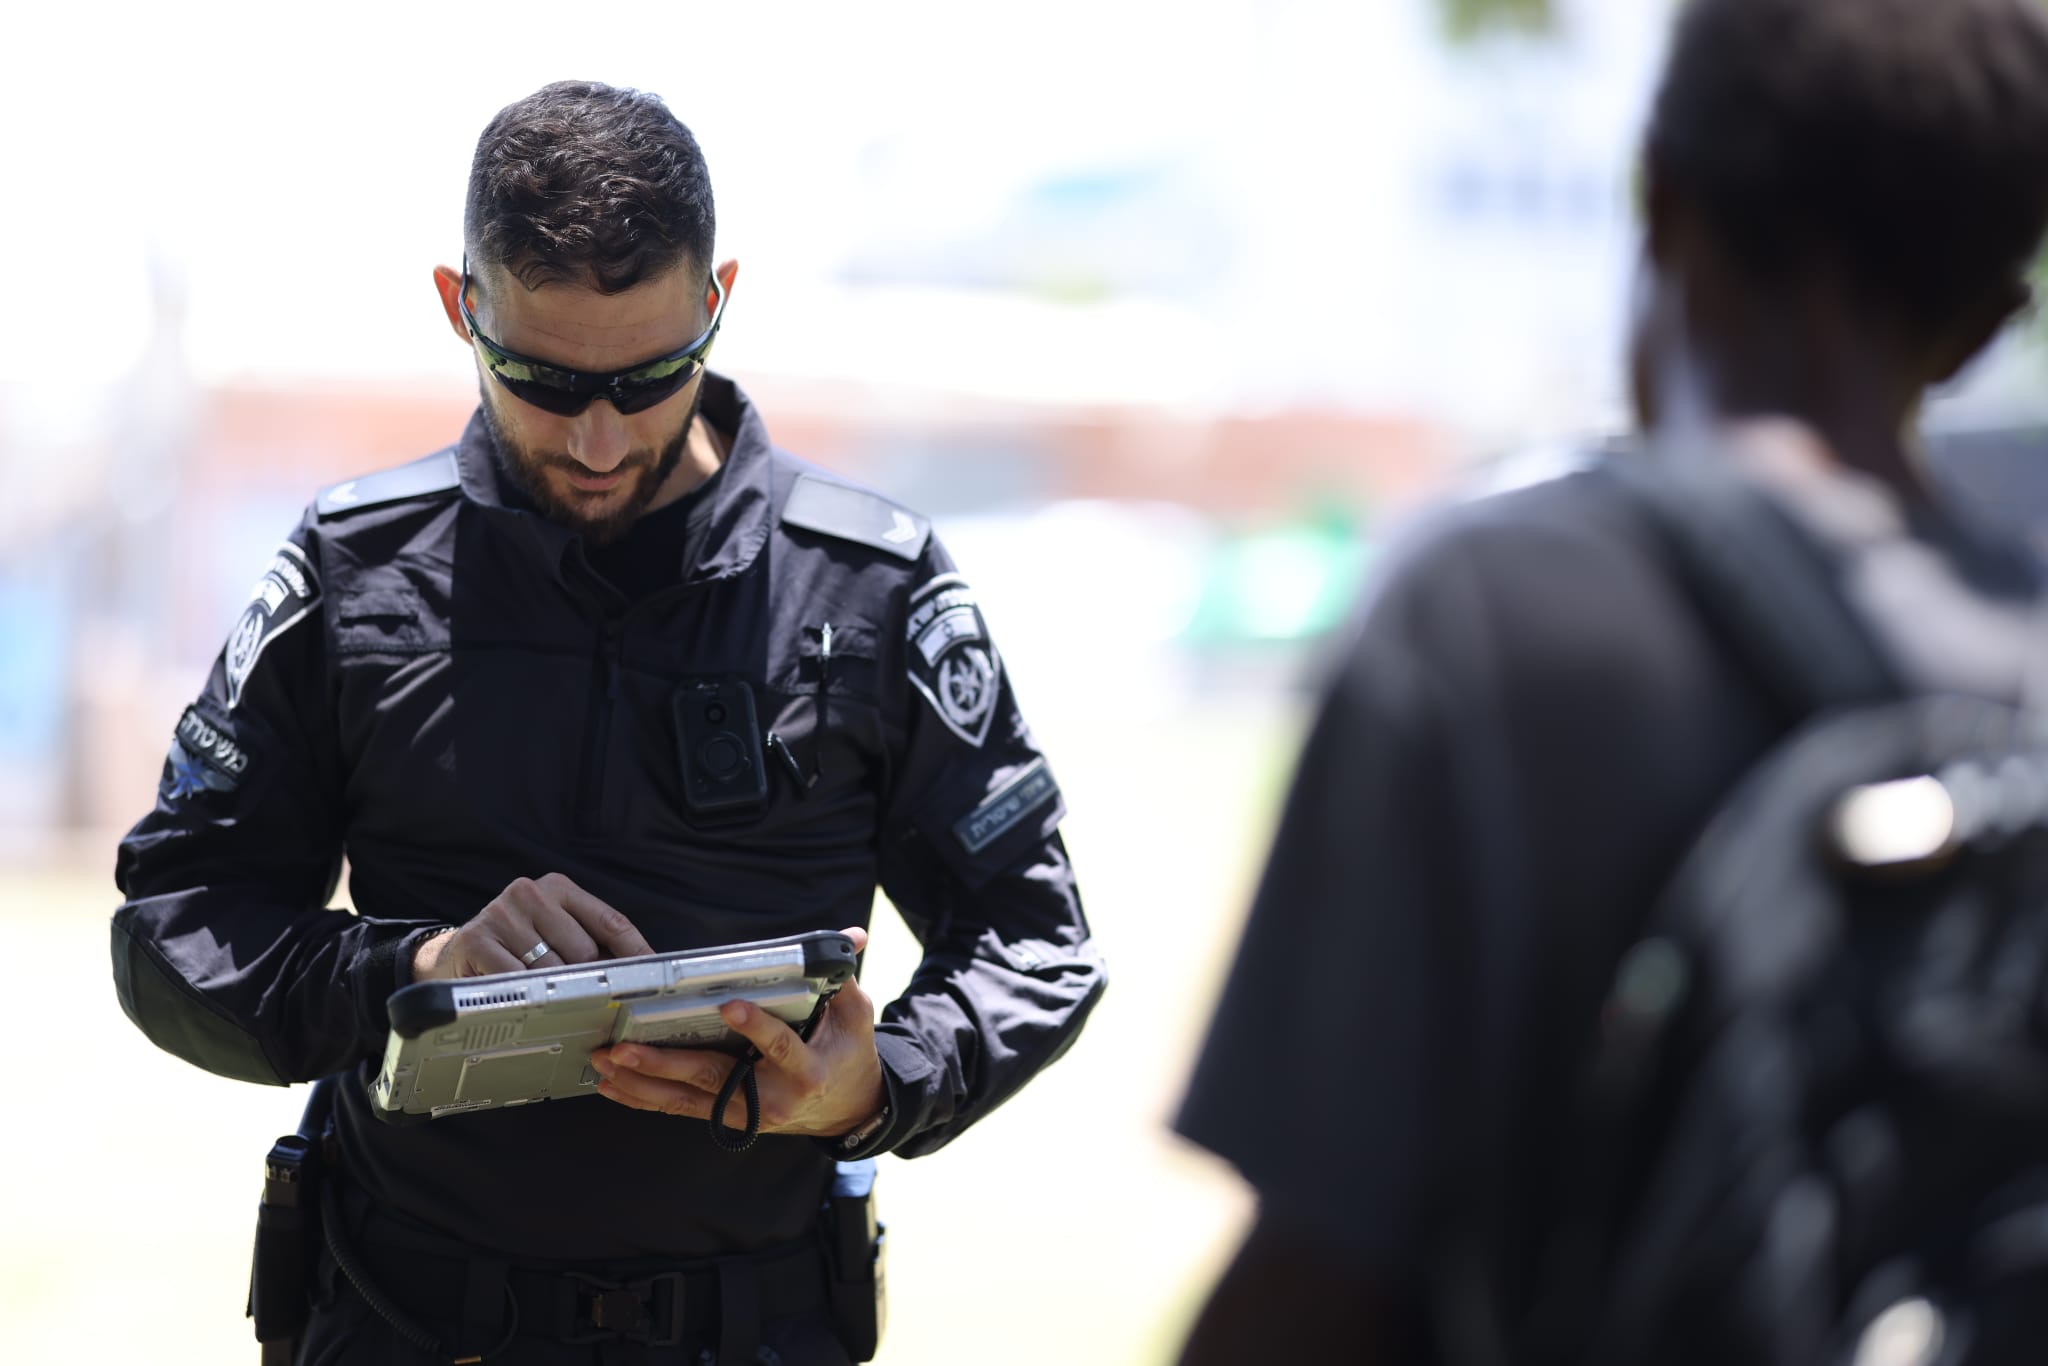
(1905, 141)
(591, 183)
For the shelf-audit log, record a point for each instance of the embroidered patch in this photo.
(203, 758)
(952, 660)
(285, 593)
(1005, 808)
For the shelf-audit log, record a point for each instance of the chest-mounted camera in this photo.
(718, 745)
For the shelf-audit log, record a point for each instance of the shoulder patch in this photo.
(204, 757)
(856, 515)
(951, 658)
(1006, 807)
(280, 599)
(436, 473)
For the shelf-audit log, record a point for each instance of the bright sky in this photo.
(301, 169)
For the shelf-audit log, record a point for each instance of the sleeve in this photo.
(225, 953)
(973, 861)
(1331, 1071)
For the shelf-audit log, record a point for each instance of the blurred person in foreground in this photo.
(464, 673)
(1535, 720)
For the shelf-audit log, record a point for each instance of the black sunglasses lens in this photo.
(633, 398)
(565, 402)
(627, 398)
(626, 394)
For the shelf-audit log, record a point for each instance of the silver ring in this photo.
(536, 953)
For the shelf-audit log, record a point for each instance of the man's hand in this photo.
(824, 1088)
(554, 912)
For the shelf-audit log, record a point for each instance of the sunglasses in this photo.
(568, 392)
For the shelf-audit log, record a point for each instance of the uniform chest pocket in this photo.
(820, 713)
(838, 660)
(829, 718)
(386, 621)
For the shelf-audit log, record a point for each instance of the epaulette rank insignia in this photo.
(854, 514)
(435, 473)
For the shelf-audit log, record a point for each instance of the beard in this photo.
(526, 469)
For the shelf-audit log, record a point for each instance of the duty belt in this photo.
(717, 1302)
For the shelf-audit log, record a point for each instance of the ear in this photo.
(448, 281)
(727, 272)
(1960, 345)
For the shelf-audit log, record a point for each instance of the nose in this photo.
(597, 437)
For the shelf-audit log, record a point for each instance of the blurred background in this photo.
(1167, 312)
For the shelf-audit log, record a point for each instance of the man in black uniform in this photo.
(461, 674)
(1844, 197)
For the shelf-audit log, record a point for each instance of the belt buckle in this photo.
(648, 1311)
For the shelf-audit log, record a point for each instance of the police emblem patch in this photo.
(952, 660)
(204, 757)
(285, 593)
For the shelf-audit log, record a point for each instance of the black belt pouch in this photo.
(280, 1271)
(853, 1248)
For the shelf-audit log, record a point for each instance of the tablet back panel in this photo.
(486, 1042)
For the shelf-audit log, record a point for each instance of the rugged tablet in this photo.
(481, 1043)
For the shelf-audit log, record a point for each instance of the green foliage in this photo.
(1465, 20)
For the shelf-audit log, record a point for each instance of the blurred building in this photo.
(115, 600)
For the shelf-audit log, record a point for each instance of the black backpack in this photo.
(1813, 1130)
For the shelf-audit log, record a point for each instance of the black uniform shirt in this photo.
(1527, 733)
(436, 682)
(648, 556)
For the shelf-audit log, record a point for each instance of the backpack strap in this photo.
(1818, 578)
(1762, 581)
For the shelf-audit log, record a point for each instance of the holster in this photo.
(853, 1255)
(288, 1232)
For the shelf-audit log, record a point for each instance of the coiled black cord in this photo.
(742, 1075)
(723, 1134)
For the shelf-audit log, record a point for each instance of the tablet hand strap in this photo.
(724, 1135)
(739, 1140)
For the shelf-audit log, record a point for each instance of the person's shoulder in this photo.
(1558, 580)
(1517, 543)
(1549, 505)
(819, 509)
(376, 531)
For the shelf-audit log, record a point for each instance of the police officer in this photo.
(471, 675)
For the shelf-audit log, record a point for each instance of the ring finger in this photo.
(566, 940)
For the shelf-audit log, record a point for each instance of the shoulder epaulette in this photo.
(854, 514)
(436, 473)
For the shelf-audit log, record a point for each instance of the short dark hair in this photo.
(1903, 140)
(587, 182)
